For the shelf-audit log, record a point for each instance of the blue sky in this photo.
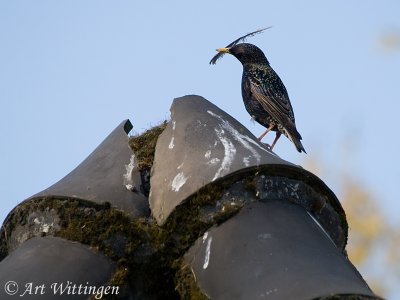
(71, 71)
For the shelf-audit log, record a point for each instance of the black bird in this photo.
(264, 95)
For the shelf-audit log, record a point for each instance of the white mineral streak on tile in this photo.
(246, 160)
(44, 227)
(229, 154)
(264, 236)
(205, 235)
(128, 174)
(129, 187)
(213, 161)
(320, 226)
(241, 138)
(178, 181)
(171, 143)
(293, 193)
(208, 252)
(268, 292)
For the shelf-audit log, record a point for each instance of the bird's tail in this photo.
(298, 145)
(295, 137)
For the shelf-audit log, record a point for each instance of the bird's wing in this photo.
(270, 92)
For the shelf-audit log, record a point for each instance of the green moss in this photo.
(144, 145)
(120, 276)
(226, 213)
(195, 216)
(186, 283)
(250, 184)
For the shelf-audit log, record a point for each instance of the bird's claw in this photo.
(268, 146)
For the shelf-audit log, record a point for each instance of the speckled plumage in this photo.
(264, 94)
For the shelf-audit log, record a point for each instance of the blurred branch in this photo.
(390, 41)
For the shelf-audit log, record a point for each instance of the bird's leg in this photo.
(266, 131)
(278, 135)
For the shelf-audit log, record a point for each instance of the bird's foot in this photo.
(267, 145)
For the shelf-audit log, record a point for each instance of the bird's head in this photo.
(246, 53)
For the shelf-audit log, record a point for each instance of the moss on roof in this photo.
(144, 145)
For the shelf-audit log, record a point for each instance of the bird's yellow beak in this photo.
(223, 50)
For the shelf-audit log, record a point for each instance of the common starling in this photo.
(264, 95)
